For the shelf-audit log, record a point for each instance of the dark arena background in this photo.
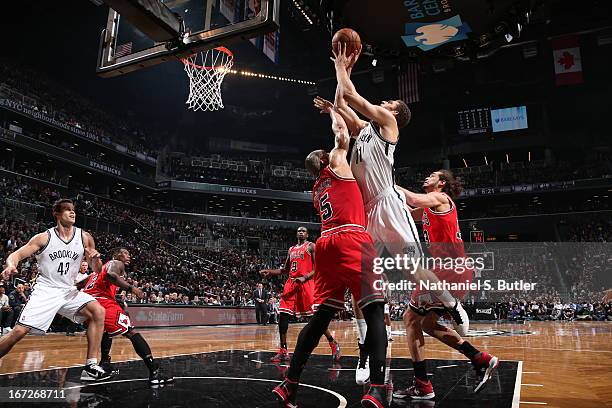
(512, 96)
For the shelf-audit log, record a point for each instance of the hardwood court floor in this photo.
(563, 364)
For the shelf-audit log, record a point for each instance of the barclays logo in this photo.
(510, 119)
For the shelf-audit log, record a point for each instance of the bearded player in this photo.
(59, 252)
(298, 292)
(389, 223)
(103, 286)
(443, 236)
(345, 256)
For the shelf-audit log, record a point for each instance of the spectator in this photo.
(260, 295)
(17, 300)
(6, 312)
(273, 310)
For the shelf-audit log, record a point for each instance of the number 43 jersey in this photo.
(59, 261)
(338, 201)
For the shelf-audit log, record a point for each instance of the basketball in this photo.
(349, 37)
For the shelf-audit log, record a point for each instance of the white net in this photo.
(206, 71)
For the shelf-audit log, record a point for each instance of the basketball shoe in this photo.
(461, 321)
(156, 378)
(376, 397)
(485, 365)
(362, 373)
(286, 392)
(282, 355)
(420, 390)
(93, 372)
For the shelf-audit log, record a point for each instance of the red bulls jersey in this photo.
(99, 286)
(338, 200)
(300, 260)
(443, 228)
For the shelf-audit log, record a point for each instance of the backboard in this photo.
(207, 24)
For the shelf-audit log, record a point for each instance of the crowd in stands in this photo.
(170, 272)
(60, 103)
(165, 272)
(514, 173)
(259, 172)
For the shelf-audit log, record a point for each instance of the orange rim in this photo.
(208, 68)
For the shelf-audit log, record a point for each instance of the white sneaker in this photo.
(362, 373)
(461, 321)
(6, 330)
(93, 372)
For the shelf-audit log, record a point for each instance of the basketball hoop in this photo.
(206, 71)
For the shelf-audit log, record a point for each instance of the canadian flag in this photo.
(568, 64)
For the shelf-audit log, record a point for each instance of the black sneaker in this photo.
(156, 378)
(105, 363)
(93, 373)
(285, 393)
(376, 397)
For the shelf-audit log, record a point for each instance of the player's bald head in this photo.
(316, 161)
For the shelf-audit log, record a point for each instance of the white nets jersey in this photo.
(59, 261)
(372, 163)
(389, 223)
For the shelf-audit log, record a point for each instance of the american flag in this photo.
(408, 83)
(123, 49)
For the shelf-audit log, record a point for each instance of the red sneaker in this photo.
(376, 397)
(285, 393)
(485, 365)
(282, 355)
(420, 390)
(335, 349)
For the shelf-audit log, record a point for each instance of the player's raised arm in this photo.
(353, 121)
(34, 245)
(338, 155)
(383, 117)
(429, 200)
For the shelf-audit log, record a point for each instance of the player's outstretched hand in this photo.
(340, 58)
(91, 253)
(8, 272)
(265, 272)
(607, 296)
(138, 292)
(353, 58)
(323, 105)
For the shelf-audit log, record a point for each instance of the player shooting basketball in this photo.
(389, 223)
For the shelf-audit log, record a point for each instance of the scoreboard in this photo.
(473, 121)
(477, 236)
(486, 120)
